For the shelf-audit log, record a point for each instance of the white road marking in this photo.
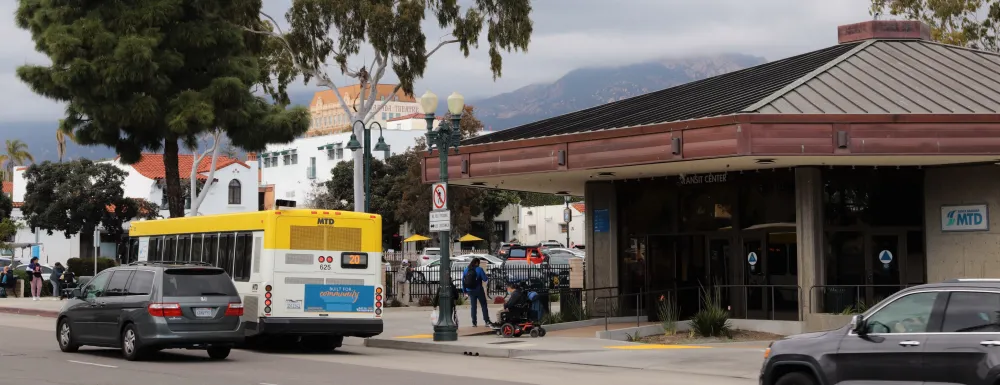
(92, 364)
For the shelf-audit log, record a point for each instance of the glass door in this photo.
(719, 261)
(884, 265)
(755, 268)
(633, 277)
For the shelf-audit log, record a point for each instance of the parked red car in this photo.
(532, 254)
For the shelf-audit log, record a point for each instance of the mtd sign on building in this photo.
(965, 218)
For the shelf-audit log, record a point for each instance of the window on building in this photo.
(383, 116)
(295, 158)
(563, 228)
(340, 152)
(235, 192)
(163, 198)
(532, 229)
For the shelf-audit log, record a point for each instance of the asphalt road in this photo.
(29, 354)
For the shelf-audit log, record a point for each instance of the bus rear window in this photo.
(197, 283)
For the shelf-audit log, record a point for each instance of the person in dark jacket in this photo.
(7, 280)
(473, 279)
(517, 303)
(57, 272)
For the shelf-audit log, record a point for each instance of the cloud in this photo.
(568, 34)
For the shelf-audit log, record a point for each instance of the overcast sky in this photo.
(568, 34)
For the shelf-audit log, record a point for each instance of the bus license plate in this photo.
(203, 312)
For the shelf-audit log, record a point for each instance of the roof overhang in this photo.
(720, 144)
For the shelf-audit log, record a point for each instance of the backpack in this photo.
(471, 279)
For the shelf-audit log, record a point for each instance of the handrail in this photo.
(640, 294)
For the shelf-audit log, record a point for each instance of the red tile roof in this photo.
(413, 116)
(151, 165)
(18, 204)
(579, 206)
(8, 187)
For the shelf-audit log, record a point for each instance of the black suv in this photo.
(145, 307)
(944, 333)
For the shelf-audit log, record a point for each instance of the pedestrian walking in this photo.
(402, 277)
(35, 272)
(7, 279)
(473, 278)
(57, 272)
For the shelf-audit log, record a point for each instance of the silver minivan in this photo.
(146, 307)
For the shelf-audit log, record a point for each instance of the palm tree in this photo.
(17, 155)
(61, 142)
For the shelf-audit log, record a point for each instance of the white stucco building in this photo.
(234, 189)
(293, 170)
(543, 223)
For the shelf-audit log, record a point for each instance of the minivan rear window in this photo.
(197, 283)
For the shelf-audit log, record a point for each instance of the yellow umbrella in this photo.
(416, 238)
(469, 238)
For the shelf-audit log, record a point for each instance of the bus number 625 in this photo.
(325, 267)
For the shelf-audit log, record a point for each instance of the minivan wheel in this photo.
(796, 378)
(132, 347)
(218, 353)
(64, 334)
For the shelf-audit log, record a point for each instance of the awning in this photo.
(469, 238)
(416, 238)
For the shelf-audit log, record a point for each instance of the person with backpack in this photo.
(472, 279)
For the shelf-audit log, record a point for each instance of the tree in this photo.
(61, 142)
(6, 206)
(493, 202)
(8, 228)
(196, 192)
(76, 197)
(16, 155)
(324, 32)
(965, 23)
(337, 193)
(145, 76)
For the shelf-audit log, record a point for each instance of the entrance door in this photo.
(756, 305)
(719, 261)
(884, 256)
(633, 277)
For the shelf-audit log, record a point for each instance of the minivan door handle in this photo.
(909, 343)
(990, 343)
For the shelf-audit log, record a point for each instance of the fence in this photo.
(396, 256)
(425, 281)
(849, 299)
(765, 302)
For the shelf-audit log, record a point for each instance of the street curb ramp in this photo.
(474, 351)
(34, 312)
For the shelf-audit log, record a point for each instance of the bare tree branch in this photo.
(373, 111)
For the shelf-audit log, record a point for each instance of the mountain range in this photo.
(579, 89)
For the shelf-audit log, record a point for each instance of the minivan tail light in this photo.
(164, 310)
(235, 309)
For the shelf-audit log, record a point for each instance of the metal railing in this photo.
(765, 302)
(425, 282)
(849, 299)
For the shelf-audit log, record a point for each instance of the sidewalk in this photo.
(46, 307)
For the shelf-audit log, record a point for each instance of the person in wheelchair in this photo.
(518, 317)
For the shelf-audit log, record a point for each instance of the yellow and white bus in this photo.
(300, 272)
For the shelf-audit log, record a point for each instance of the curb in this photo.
(439, 348)
(34, 312)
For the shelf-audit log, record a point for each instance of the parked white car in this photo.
(46, 270)
(431, 272)
(429, 255)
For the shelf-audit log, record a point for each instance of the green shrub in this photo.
(426, 301)
(552, 318)
(554, 297)
(460, 300)
(84, 267)
(667, 310)
(712, 320)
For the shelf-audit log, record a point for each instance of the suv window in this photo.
(117, 285)
(971, 312)
(907, 314)
(197, 282)
(517, 253)
(142, 283)
(95, 288)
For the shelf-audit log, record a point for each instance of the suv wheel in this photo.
(132, 347)
(796, 378)
(65, 337)
(219, 353)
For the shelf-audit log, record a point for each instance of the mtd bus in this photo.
(300, 272)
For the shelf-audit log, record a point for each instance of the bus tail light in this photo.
(378, 301)
(267, 300)
(164, 310)
(235, 309)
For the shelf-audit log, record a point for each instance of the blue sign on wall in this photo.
(339, 298)
(602, 223)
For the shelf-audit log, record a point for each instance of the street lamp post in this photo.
(446, 136)
(569, 218)
(354, 145)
